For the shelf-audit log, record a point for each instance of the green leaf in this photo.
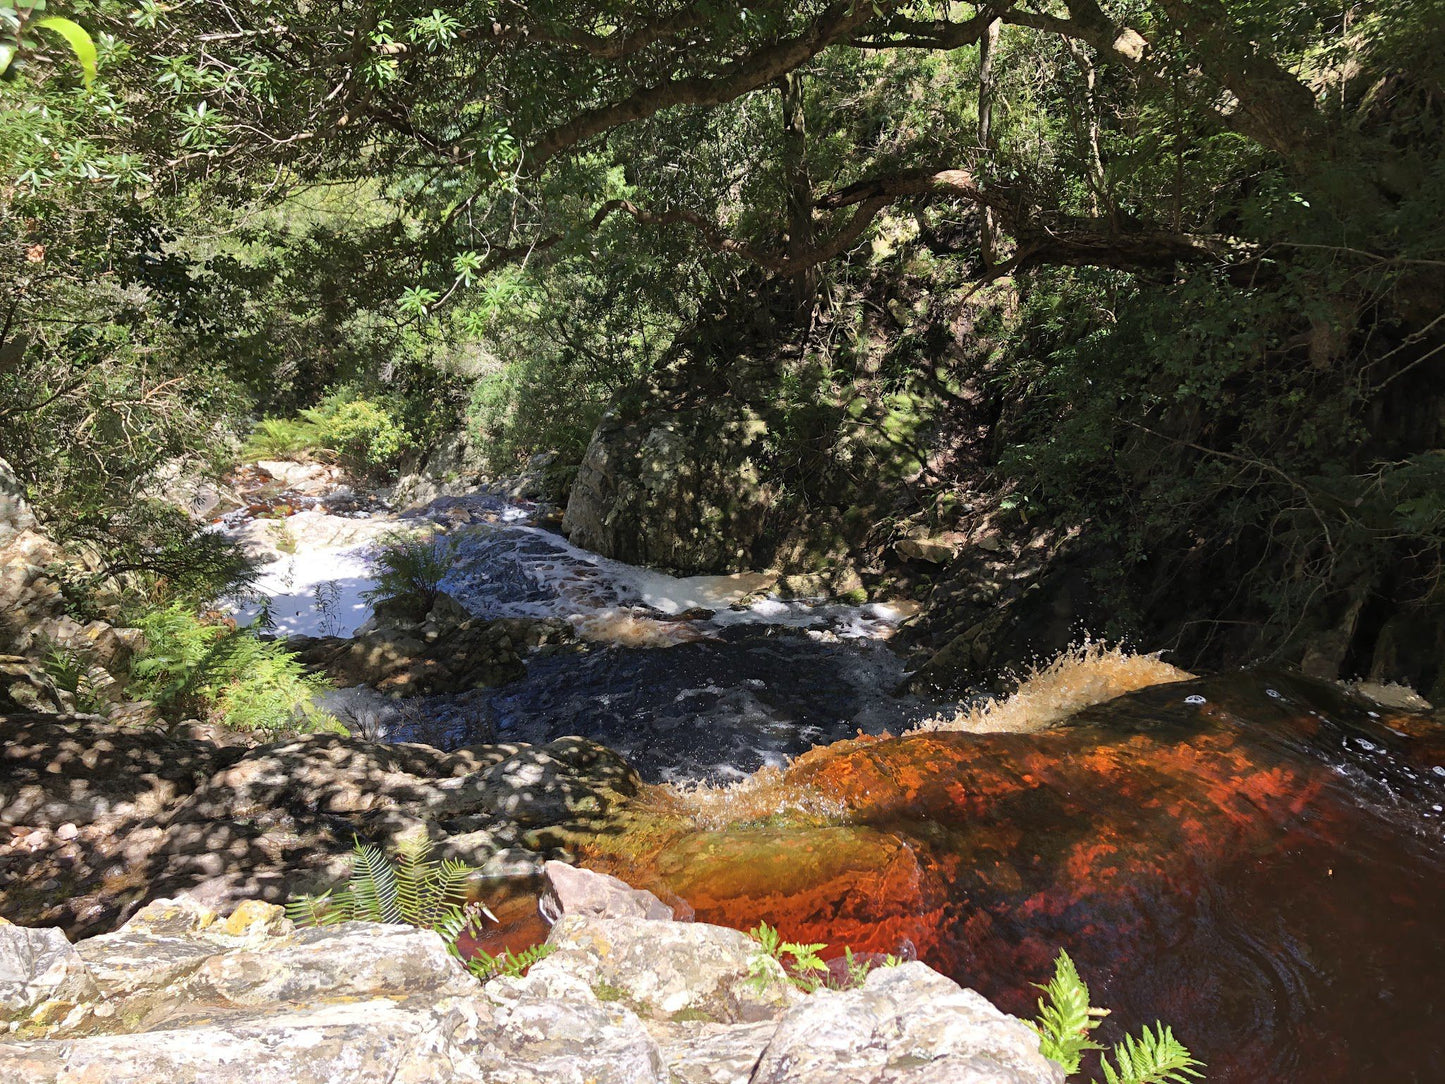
(79, 40)
(7, 54)
(1065, 1016)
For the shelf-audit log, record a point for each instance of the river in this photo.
(1254, 858)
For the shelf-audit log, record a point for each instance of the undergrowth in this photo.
(414, 889)
(197, 668)
(1066, 1019)
(802, 965)
(408, 571)
(362, 435)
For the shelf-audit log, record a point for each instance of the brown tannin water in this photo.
(1254, 859)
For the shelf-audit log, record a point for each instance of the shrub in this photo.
(361, 434)
(409, 570)
(282, 438)
(191, 667)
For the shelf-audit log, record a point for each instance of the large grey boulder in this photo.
(670, 969)
(186, 996)
(345, 1043)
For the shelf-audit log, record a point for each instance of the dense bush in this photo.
(362, 435)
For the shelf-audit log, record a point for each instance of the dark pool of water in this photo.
(714, 709)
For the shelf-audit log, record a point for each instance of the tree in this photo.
(506, 108)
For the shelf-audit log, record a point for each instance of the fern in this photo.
(412, 889)
(508, 964)
(1066, 1018)
(409, 569)
(194, 667)
(801, 971)
(1156, 1057)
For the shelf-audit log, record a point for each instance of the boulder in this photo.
(15, 514)
(570, 890)
(151, 815)
(906, 1025)
(42, 977)
(620, 1001)
(670, 969)
(344, 1043)
(444, 651)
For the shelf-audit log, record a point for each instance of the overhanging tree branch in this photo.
(741, 76)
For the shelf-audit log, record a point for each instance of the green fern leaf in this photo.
(1156, 1057)
(1065, 1016)
(373, 884)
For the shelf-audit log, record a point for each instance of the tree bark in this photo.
(799, 194)
(986, 46)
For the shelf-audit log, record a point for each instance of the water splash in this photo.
(766, 795)
(1079, 678)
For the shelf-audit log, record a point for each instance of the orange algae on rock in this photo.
(1197, 847)
(842, 886)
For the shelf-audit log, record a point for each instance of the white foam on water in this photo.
(509, 568)
(313, 593)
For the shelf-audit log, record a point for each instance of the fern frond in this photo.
(415, 890)
(1154, 1058)
(485, 966)
(322, 910)
(1065, 1016)
(373, 885)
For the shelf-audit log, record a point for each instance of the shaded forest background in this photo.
(1137, 307)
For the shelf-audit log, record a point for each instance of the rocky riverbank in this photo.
(97, 819)
(180, 993)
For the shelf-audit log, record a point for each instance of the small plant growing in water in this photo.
(409, 571)
(416, 890)
(1066, 1018)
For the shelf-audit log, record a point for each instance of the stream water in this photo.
(1254, 858)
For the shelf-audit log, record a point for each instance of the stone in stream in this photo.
(621, 1001)
(571, 890)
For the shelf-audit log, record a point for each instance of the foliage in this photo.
(1065, 1016)
(408, 570)
(21, 17)
(70, 674)
(1224, 222)
(802, 965)
(193, 667)
(363, 435)
(1065, 1020)
(508, 964)
(410, 888)
(415, 889)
